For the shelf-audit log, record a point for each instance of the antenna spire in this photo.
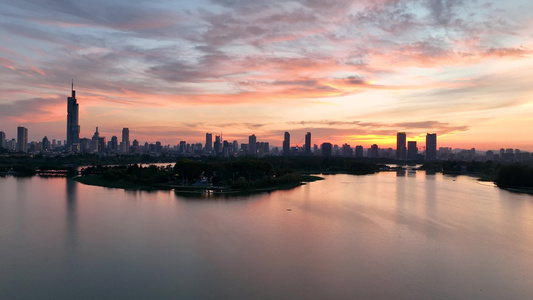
(72, 87)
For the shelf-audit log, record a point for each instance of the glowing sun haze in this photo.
(347, 71)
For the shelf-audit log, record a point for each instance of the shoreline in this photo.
(98, 180)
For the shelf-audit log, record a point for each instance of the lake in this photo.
(390, 235)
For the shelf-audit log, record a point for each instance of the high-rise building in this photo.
(326, 149)
(252, 147)
(347, 151)
(73, 126)
(101, 144)
(286, 143)
(431, 146)
(46, 143)
(226, 148)
(3, 142)
(22, 139)
(94, 139)
(264, 148)
(358, 151)
(373, 152)
(208, 142)
(235, 147)
(135, 146)
(412, 150)
(307, 146)
(12, 145)
(400, 145)
(113, 144)
(125, 140)
(158, 147)
(218, 145)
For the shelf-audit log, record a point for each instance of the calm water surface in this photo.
(396, 236)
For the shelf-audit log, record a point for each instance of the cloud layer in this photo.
(389, 63)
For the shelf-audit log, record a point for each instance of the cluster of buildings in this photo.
(410, 152)
(405, 150)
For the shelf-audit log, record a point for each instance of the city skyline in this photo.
(348, 72)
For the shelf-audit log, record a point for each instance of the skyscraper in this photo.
(252, 147)
(326, 149)
(235, 147)
(3, 142)
(218, 145)
(46, 143)
(307, 146)
(400, 145)
(358, 151)
(208, 142)
(113, 144)
(73, 127)
(373, 152)
(347, 151)
(22, 139)
(431, 146)
(125, 140)
(412, 150)
(94, 141)
(286, 144)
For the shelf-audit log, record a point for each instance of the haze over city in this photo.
(353, 72)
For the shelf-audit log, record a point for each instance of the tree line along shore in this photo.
(222, 174)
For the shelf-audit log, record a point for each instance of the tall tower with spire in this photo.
(73, 126)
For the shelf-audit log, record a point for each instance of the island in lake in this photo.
(223, 176)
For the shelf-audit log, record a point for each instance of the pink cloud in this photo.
(6, 63)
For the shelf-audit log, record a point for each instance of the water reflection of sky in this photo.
(377, 236)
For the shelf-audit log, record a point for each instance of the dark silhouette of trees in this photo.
(517, 175)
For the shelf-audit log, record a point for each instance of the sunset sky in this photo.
(351, 72)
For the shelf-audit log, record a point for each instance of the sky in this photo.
(351, 72)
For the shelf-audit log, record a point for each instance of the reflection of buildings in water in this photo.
(401, 172)
(430, 172)
(71, 238)
(430, 204)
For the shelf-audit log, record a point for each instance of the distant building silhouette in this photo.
(235, 146)
(101, 144)
(307, 146)
(218, 145)
(208, 142)
(94, 139)
(73, 126)
(358, 151)
(252, 145)
(125, 145)
(135, 145)
(489, 155)
(347, 151)
(113, 144)
(244, 149)
(431, 146)
(3, 142)
(46, 143)
(373, 152)
(22, 139)
(400, 145)
(286, 143)
(326, 149)
(412, 150)
(226, 148)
